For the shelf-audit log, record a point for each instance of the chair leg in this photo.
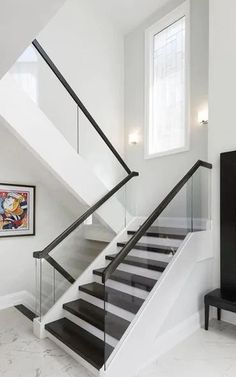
(219, 314)
(206, 316)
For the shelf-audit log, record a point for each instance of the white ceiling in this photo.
(128, 14)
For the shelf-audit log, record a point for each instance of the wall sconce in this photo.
(134, 138)
(203, 117)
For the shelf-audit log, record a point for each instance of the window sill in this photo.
(166, 153)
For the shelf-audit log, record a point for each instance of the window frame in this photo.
(160, 25)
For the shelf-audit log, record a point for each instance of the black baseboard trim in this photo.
(27, 312)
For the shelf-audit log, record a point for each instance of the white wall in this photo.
(222, 130)
(55, 210)
(158, 175)
(20, 21)
(31, 126)
(88, 50)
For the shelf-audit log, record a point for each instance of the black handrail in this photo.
(72, 93)
(89, 212)
(146, 225)
(60, 269)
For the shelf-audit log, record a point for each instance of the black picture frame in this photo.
(13, 221)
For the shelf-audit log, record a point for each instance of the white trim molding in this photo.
(17, 298)
(182, 11)
(176, 335)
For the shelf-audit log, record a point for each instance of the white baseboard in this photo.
(226, 316)
(179, 333)
(174, 336)
(17, 298)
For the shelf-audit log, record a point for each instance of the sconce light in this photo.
(134, 138)
(203, 117)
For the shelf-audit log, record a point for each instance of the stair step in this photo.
(153, 248)
(122, 300)
(133, 280)
(164, 232)
(114, 325)
(86, 345)
(142, 262)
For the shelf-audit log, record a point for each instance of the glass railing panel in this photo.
(134, 277)
(77, 251)
(33, 75)
(50, 286)
(176, 218)
(189, 211)
(36, 79)
(201, 189)
(99, 157)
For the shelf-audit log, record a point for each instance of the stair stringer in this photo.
(31, 126)
(140, 343)
(56, 312)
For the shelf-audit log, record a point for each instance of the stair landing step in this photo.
(117, 298)
(153, 248)
(133, 280)
(86, 345)
(142, 262)
(114, 325)
(164, 232)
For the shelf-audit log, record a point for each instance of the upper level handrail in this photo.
(89, 212)
(146, 225)
(72, 93)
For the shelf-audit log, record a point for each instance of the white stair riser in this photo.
(111, 308)
(140, 271)
(123, 287)
(90, 328)
(172, 242)
(151, 255)
(73, 354)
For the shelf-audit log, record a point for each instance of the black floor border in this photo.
(27, 312)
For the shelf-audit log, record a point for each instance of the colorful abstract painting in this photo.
(17, 210)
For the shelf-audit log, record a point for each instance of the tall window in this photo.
(166, 83)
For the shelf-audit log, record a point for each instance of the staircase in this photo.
(105, 313)
(85, 319)
(110, 317)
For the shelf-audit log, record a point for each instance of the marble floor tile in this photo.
(205, 354)
(23, 355)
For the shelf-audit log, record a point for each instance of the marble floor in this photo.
(23, 355)
(205, 354)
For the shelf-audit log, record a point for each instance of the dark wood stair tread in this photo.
(133, 280)
(164, 232)
(142, 262)
(114, 325)
(122, 300)
(86, 345)
(150, 247)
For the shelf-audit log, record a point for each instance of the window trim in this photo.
(172, 17)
